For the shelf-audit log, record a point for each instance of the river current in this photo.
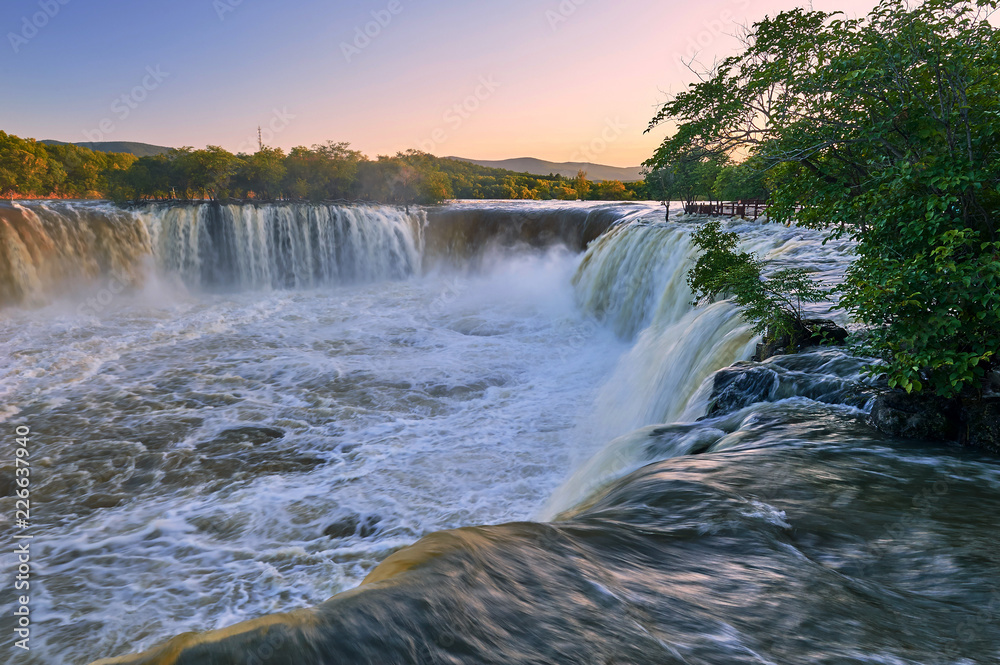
(239, 412)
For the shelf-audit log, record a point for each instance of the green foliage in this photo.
(937, 313)
(612, 190)
(741, 182)
(207, 172)
(327, 172)
(261, 175)
(886, 130)
(772, 303)
(582, 184)
(29, 168)
(686, 177)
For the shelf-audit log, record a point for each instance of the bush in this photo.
(773, 303)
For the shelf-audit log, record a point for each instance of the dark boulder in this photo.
(822, 332)
(915, 416)
(772, 347)
(239, 440)
(829, 376)
(254, 436)
(980, 426)
(740, 386)
(971, 422)
(808, 332)
(353, 525)
(8, 486)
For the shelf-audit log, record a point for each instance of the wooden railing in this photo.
(751, 209)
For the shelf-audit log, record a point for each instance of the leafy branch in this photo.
(772, 303)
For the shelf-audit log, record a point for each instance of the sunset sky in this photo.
(576, 80)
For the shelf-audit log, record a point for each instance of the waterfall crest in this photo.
(50, 250)
(284, 246)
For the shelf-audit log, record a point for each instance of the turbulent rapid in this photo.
(468, 434)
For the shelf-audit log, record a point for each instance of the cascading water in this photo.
(258, 445)
(284, 246)
(53, 247)
(50, 250)
(635, 276)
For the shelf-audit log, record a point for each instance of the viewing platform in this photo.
(753, 208)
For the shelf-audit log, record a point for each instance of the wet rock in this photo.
(100, 500)
(823, 332)
(915, 416)
(971, 422)
(827, 376)
(811, 332)
(981, 424)
(353, 525)
(773, 347)
(258, 464)
(740, 386)
(248, 435)
(7, 485)
(992, 384)
(239, 440)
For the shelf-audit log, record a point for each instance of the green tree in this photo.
(741, 182)
(612, 190)
(689, 176)
(883, 129)
(146, 177)
(581, 184)
(772, 303)
(206, 172)
(326, 172)
(261, 174)
(564, 193)
(25, 167)
(660, 185)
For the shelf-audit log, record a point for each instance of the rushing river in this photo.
(240, 412)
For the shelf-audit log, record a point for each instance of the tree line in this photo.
(325, 172)
(32, 169)
(695, 176)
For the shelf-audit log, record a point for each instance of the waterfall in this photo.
(636, 275)
(58, 247)
(51, 250)
(284, 246)
(634, 279)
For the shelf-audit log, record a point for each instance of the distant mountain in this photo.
(567, 169)
(137, 149)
